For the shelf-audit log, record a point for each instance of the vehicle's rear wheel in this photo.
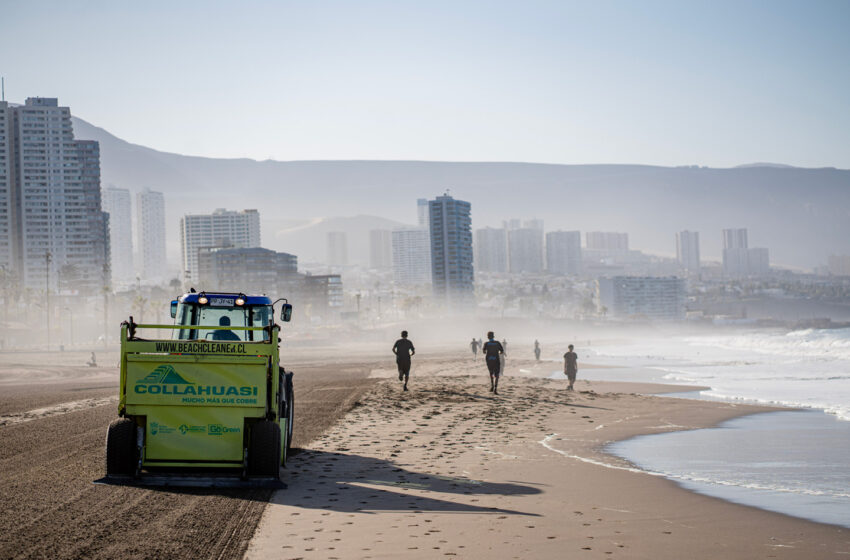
(121, 451)
(264, 454)
(290, 412)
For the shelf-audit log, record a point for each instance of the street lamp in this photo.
(47, 293)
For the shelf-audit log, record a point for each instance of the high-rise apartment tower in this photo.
(116, 202)
(563, 252)
(687, 250)
(150, 235)
(491, 250)
(52, 226)
(337, 251)
(452, 275)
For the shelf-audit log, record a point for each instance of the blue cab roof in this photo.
(249, 300)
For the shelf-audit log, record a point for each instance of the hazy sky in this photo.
(667, 83)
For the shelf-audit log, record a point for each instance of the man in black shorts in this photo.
(403, 350)
(492, 350)
(571, 367)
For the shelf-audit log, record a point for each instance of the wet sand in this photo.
(451, 470)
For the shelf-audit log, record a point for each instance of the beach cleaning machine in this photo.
(211, 397)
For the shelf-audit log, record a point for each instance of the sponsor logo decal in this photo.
(164, 374)
(219, 430)
(165, 380)
(160, 428)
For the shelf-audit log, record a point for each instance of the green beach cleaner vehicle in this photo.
(213, 397)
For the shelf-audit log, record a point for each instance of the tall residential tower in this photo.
(116, 202)
(563, 252)
(150, 235)
(451, 249)
(687, 250)
(52, 227)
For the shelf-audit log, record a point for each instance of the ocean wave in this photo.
(690, 478)
(826, 344)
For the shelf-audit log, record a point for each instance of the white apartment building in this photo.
(525, 250)
(411, 256)
(491, 250)
(337, 248)
(739, 260)
(639, 297)
(51, 223)
(150, 235)
(380, 249)
(687, 251)
(116, 202)
(612, 243)
(222, 228)
(563, 252)
(6, 188)
(735, 238)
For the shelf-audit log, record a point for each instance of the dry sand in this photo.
(54, 411)
(450, 470)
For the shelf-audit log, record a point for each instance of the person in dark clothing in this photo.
(571, 366)
(403, 350)
(474, 346)
(493, 351)
(225, 334)
(536, 350)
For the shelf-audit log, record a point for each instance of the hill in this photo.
(801, 215)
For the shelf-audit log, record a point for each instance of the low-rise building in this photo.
(249, 270)
(641, 297)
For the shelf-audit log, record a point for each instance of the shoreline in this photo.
(521, 453)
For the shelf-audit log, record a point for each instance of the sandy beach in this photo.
(450, 470)
(446, 469)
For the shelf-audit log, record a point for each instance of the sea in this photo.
(793, 462)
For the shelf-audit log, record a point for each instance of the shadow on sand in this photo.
(350, 483)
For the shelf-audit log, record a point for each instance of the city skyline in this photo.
(717, 84)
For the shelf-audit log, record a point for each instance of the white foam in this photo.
(808, 368)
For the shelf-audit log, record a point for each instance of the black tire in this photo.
(290, 412)
(264, 453)
(121, 452)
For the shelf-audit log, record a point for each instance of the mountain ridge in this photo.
(802, 215)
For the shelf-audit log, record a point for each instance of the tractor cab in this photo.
(230, 315)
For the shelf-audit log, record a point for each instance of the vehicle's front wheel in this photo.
(264, 454)
(121, 451)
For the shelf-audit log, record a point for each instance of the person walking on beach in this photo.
(536, 350)
(493, 352)
(403, 350)
(571, 367)
(474, 346)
